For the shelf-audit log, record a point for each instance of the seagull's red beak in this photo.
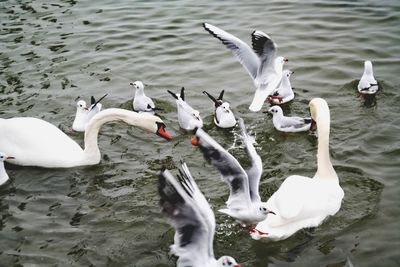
(195, 140)
(163, 133)
(237, 265)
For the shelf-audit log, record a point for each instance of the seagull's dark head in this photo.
(81, 105)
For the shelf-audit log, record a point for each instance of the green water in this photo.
(107, 215)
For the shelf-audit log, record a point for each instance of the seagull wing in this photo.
(230, 169)
(255, 171)
(243, 52)
(187, 181)
(191, 241)
(265, 48)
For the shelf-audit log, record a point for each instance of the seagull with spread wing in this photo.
(190, 214)
(260, 61)
(244, 203)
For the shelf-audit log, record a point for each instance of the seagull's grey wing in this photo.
(229, 168)
(265, 48)
(191, 239)
(243, 52)
(188, 183)
(295, 122)
(255, 171)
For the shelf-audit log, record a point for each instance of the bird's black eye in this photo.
(1, 157)
(264, 209)
(229, 263)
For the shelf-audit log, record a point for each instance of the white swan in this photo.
(35, 142)
(367, 84)
(3, 174)
(284, 93)
(223, 115)
(260, 61)
(300, 201)
(84, 114)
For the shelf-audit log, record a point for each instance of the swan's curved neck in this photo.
(325, 169)
(91, 150)
(3, 173)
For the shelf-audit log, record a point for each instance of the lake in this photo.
(52, 54)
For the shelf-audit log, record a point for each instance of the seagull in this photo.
(190, 214)
(188, 118)
(288, 124)
(367, 84)
(84, 114)
(223, 115)
(284, 93)
(244, 203)
(260, 61)
(3, 174)
(141, 102)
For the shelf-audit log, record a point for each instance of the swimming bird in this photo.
(288, 124)
(244, 203)
(260, 61)
(223, 115)
(84, 114)
(284, 93)
(3, 174)
(141, 102)
(190, 214)
(35, 142)
(188, 117)
(302, 202)
(368, 84)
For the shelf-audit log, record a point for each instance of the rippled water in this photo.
(108, 215)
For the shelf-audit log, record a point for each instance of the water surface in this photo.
(51, 54)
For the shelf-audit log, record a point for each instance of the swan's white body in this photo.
(288, 124)
(367, 84)
(141, 102)
(284, 93)
(35, 142)
(300, 201)
(260, 61)
(3, 174)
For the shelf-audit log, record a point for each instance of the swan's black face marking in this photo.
(162, 132)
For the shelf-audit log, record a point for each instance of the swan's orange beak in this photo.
(163, 133)
(194, 140)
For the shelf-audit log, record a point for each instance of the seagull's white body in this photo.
(260, 61)
(288, 124)
(188, 117)
(141, 102)
(80, 120)
(3, 174)
(367, 84)
(244, 203)
(302, 202)
(223, 115)
(284, 93)
(190, 214)
(35, 142)
(84, 114)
